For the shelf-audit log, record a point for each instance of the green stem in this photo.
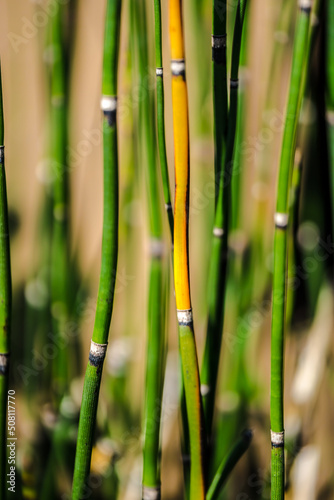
(155, 361)
(330, 92)
(59, 250)
(280, 255)
(109, 252)
(193, 405)
(161, 116)
(219, 80)
(5, 304)
(228, 464)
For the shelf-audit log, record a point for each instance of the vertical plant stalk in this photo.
(330, 92)
(109, 251)
(181, 258)
(156, 342)
(5, 305)
(219, 80)
(161, 116)
(218, 262)
(59, 247)
(280, 253)
(228, 464)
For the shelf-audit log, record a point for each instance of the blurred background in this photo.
(45, 462)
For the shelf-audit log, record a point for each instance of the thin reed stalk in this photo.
(161, 116)
(218, 262)
(330, 92)
(5, 305)
(280, 252)
(59, 248)
(219, 81)
(228, 464)
(156, 342)
(109, 251)
(188, 350)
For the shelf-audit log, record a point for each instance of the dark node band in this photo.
(4, 363)
(178, 67)
(2, 154)
(95, 360)
(110, 116)
(218, 43)
(97, 354)
(184, 317)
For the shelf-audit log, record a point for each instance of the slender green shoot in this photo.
(161, 116)
(59, 250)
(156, 344)
(219, 81)
(330, 92)
(228, 464)
(109, 252)
(5, 305)
(280, 253)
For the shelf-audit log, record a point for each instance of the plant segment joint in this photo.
(97, 353)
(151, 493)
(185, 316)
(4, 363)
(277, 439)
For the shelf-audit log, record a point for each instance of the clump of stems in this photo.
(280, 253)
(109, 251)
(218, 262)
(155, 357)
(188, 350)
(5, 304)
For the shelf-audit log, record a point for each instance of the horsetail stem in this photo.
(5, 304)
(219, 80)
(280, 253)
(156, 344)
(181, 258)
(59, 250)
(218, 262)
(161, 116)
(330, 92)
(228, 464)
(109, 251)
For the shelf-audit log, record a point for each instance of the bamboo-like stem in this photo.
(228, 464)
(280, 253)
(218, 262)
(219, 82)
(59, 249)
(109, 251)
(181, 258)
(156, 344)
(293, 218)
(330, 92)
(5, 305)
(161, 116)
